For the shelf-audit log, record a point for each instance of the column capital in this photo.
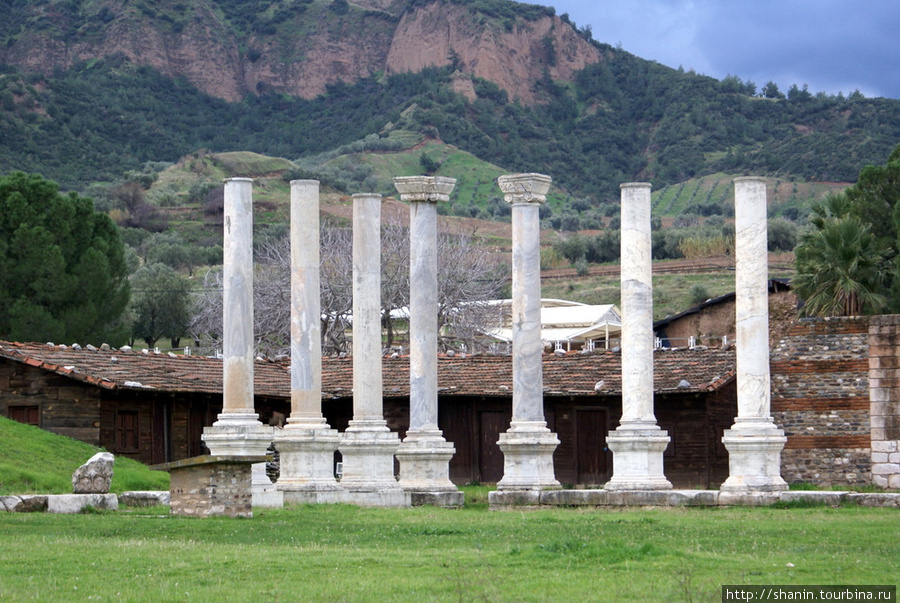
(750, 179)
(424, 188)
(524, 188)
(237, 179)
(625, 185)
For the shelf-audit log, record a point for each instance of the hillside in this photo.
(36, 461)
(93, 92)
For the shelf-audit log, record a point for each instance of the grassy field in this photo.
(344, 553)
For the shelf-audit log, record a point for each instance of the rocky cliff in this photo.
(303, 48)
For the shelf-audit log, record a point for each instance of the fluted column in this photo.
(754, 442)
(528, 445)
(368, 446)
(237, 430)
(638, 443)
(306, 444)
(424, 454)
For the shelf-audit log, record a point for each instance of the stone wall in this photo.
(884, 390)
(820, 398)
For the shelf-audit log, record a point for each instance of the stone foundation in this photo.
(681, 498)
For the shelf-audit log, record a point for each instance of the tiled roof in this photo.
(685, 371)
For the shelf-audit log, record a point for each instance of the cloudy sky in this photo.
(831, 45)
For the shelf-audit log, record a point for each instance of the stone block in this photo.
(832, 499)
(884, 446)
(885, 468)
(76, 503)
(23, 503)
(383, 498)
(880, 457)
(144, 498)
(514, 498)
(450, 500)
(575, 498)
(874, 499)
(748, 499)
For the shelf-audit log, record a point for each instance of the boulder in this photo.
(95, 476)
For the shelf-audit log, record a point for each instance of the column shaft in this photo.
(754, 442)
(423, 324)
(637, 305)
(237, 430)
(638, 443)
(237, 298)
(367, 379)
(752, 299)
(306, 338)
(528, 349)
(528, 445)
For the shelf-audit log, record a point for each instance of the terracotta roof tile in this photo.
(568, 374)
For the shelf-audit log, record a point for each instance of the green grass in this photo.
(36, 461)
(344, 553)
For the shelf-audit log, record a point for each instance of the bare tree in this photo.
(469, 274)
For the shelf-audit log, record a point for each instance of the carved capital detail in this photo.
(524, 188)
(429, 189)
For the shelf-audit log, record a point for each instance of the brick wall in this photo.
(820, 398)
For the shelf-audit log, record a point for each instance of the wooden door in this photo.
(590, 446)
(490, 458)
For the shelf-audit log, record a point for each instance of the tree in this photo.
(63, 275)
(468, 276)
(841, 268)
(161, 304)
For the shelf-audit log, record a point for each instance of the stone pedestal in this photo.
(307, 464)
(368, 446)
(754, 443)
(528, 445)
(211, 485)
(306, 444)
(638, 443)
(424, 455)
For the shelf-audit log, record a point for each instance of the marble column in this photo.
(754, 442)
(424, 454)
(368, 446)
(306, 444)
(528, 445)
(237, 430)
(638, 443)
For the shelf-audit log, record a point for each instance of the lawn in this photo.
(344, 553)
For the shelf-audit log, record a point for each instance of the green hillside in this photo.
(34, 461)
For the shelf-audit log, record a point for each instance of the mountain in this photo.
(93, 89)
(229, 49)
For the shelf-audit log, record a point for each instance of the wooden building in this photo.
(153, 407)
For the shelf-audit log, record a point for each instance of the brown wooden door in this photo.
(590, 446)
(490, 458)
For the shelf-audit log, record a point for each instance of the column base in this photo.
(368, 449)
(528, 457)
(754, 457)
(238, 434)
(425, 462)
(638, 458)
(263, 490)
(307, 463)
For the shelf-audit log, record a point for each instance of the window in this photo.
(30, 415)
(127, 432)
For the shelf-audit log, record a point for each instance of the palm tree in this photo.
(841, 268)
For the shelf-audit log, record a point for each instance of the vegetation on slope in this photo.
(34, 461)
